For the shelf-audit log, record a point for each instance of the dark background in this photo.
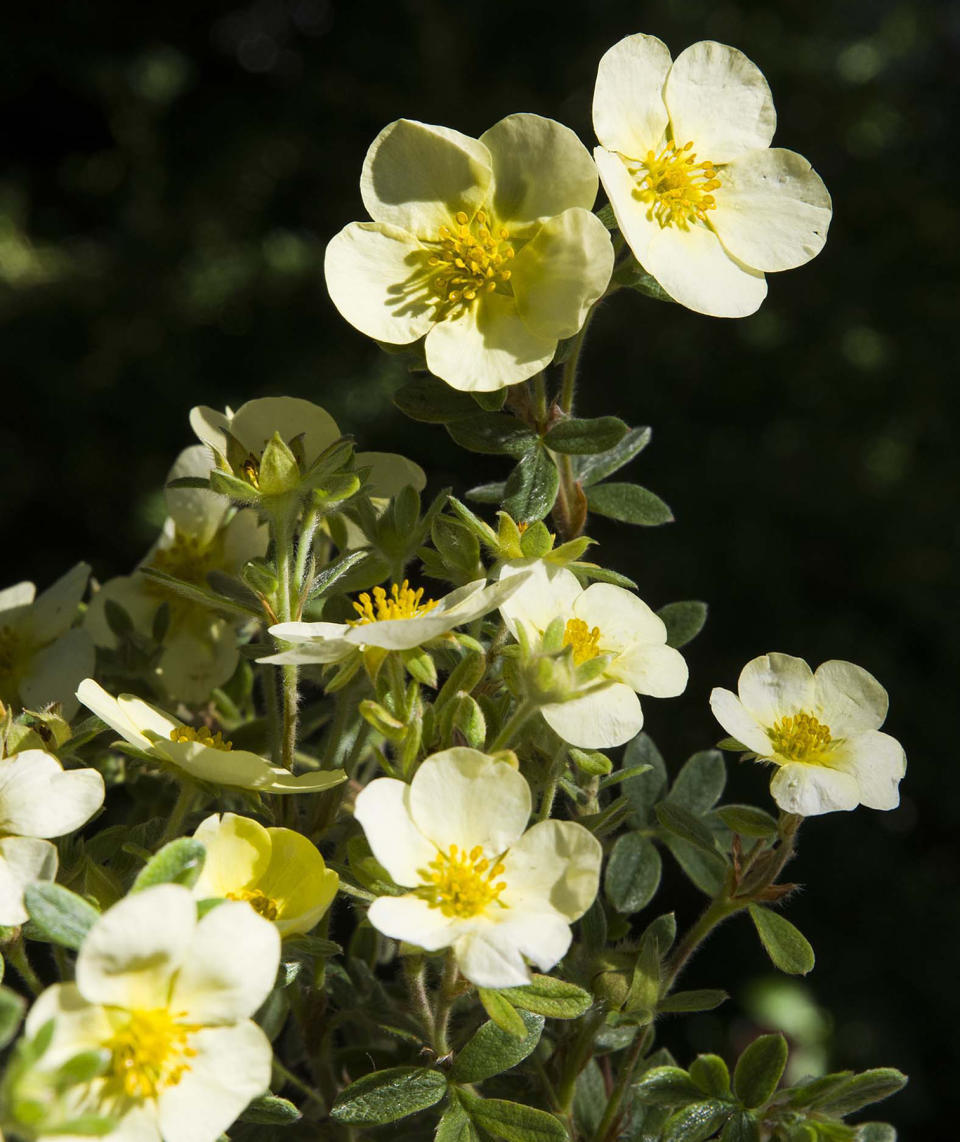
(169, 175)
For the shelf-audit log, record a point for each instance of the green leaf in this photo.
(631, 275)
(59, 915)
(200, 595)
(876, 1132)
(699, 783)
(741, 1127)
(857, 1091)
(487, 493)
(593, 469)
(189, 482)
(629, 503)
(624, 775)
(179, 862)
(492, 433)
(707, 870)
(433, 402)
(512, 1121)
(747, 820)
(662, 931)
(786, 945)
(502, 1012)
(646, 789)
(589, 1098)
(759, 1070)
(702, 999)
(491, 401)
(490, 1050)
(385, 1096)
(586, 437)
(684, 621)
(271, 1110)
(607, 216)
(633, 873)
(683, 824)
(666, 1086)
(546, 995)
(591, 762)
(455, 1126)
(697, 1122)
(710, 1074)
(325, 579)
(531, 487)
(12, 1007)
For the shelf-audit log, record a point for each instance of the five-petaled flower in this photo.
(481, 885)
(704, 202)
(485, 246)
(38, 799)
(602, 620)
(196, 753)
(821, 729)
(278, 872)
(168, 999)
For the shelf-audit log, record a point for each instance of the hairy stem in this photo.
(607, 1128)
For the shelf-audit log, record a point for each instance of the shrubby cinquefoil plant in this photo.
(382, 839)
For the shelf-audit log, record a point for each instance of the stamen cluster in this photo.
(149, 1053)
(584, 640)
(402, 603)
(800, 737)
(461, 883)
(470, 260)
(675, 187)
(202, 735)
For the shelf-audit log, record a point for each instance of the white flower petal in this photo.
(230, 1069)
(133, 950)
(16, 598)
(463, 797)
(548, 592)
(255, 422)
(418, 176)
(719, 100)
(310, 642)
(877, 761)
(540, 168)
(55, 671)
(775, 685)
(654, 669)
(39, 799)
(196, 511)
(199, 653)
(133, 594)
(489, 957)
(850, 698)
(382, 808)
(229, 966)
(244, 538)
(389, 472)
(109, 710)
(412, 919)
(773, 211)
(810, 790)
(146, 717)
(78, 1025)
(211, 426)
(23, 861)
(629, 114)
(139, 1124)
(561, 273)
(55, 608)
(601, 719)
(379, 279)
(622, 617)
(234, 767)
(313, 781)
(731, 714)
(555, 863)
(486, 347)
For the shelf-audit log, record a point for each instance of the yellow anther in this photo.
(151, 1052)
(800, 737)
(467, 262)
(584, 640)
(462, 218)
(402, 603)
(460, 883)
(675, 187)
(258, 901)
(202, 735)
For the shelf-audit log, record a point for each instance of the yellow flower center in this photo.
(401, 603)
(202, 735)
(186, 557)
(149, 1053)
(584, 640)
(461, 883)
(268, 908)
(800, 737)
(675, 187)
(468, 260)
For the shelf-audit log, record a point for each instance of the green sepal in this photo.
(279, 471)
(226, 484)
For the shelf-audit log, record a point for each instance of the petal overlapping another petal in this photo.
(629, 114)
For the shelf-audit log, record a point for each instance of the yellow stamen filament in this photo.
(149, 1053)
(468, 260)
(676, 188)
(202, 735)
(401, 603)
(461, 883)
(258, 901)
(800, 737)
(584, 640)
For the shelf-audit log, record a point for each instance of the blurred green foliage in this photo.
(169, 176)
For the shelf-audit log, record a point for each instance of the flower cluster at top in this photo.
(352, 746)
